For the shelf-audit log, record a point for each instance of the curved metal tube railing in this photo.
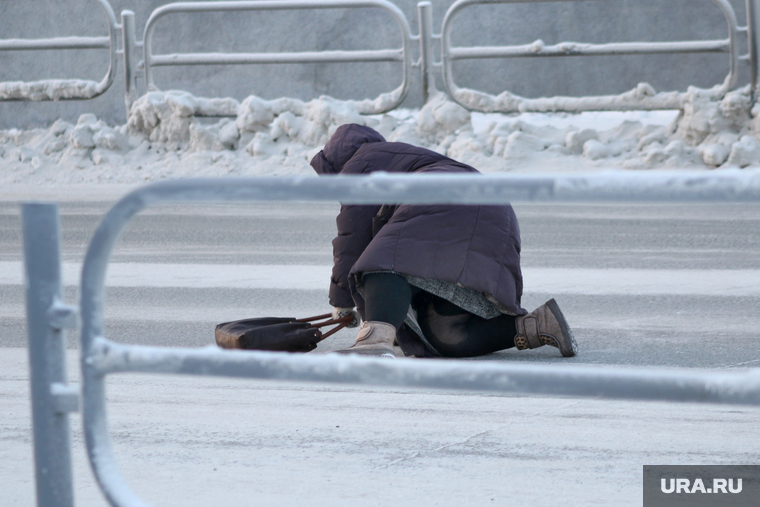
(637, 99)
(381, 104)
(100, 357)
(63, 89)
(640, 98)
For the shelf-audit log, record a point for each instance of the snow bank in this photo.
(50, 89)
(174, 134)
(641, 96)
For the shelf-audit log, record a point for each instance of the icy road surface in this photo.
(672, 286)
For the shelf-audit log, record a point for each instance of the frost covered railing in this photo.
(63, 89)
(381, 104)
(642, 97)
(47, 316)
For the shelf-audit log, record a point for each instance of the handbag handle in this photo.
(316, 317)
(342, 322)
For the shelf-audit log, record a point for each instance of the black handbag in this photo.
(284, 334)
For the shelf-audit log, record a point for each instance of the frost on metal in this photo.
(49, 89)
(646, 383)
(729, 185)
(643, 96)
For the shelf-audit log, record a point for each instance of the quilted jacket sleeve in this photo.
(354, 234)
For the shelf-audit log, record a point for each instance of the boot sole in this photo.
(566, 332)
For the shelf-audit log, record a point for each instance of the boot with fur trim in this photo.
(374, 339)
(545, 326)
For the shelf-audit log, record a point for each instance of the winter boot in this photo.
(545, 326)
(374, 339)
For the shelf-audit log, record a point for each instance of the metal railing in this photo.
(57, 89)
(63, 89)
(753, 33)
(509, 103)
(47, 316)
(381, 104)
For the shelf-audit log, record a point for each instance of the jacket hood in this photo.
(342, 146)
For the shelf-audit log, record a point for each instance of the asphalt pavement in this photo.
(712, 325)
(641, 285)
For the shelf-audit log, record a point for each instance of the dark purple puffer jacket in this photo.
(475, 246)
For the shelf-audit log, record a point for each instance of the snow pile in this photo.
(641, 96)
(50, 89)
(174, 134)
(167, 117)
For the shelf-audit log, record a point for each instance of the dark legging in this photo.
(452, 331)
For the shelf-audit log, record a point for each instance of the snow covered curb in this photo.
(174, 134)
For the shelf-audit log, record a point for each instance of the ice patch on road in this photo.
(707, 282)
(680, 282)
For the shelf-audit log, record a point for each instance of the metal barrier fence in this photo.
(381, 104)
(470, 99)
(63, 89)
(47, 316)
(509, 103)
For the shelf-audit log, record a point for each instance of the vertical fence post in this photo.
(128, 45)
(753, 32)
(425, 18)
(47, 317)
